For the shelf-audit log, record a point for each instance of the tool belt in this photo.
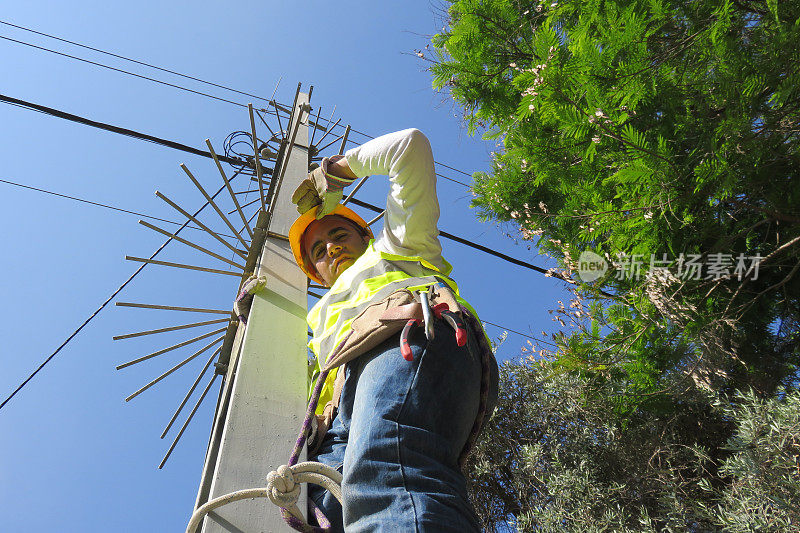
(394, 314)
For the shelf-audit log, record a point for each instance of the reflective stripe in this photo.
(371, 278)
(359, 285)
(368, 285)
(370, 265)
(334, 334)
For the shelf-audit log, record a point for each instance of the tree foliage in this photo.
(649, 128)
(555, 457)
(663, 135)
(659, 130)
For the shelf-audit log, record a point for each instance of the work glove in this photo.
(320, 189)
(251, 286)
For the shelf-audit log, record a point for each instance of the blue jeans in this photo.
(398, 434)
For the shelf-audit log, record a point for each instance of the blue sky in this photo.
(73, 455)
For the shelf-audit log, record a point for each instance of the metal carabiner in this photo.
(427, 315)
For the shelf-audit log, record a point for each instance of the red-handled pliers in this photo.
(442, 310)
(458, 325)
(405, 348)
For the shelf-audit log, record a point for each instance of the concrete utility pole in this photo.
(262, 404)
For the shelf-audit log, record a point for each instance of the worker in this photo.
(411, 374)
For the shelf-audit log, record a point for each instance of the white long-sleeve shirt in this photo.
(412, 207)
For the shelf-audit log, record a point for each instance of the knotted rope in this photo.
(283, 484)
(283, 489)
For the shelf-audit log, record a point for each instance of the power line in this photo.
(183, 147)
(520, 333)
(368, 136)
(188, 149)
(200, 80)
(106, 302)
(91, 202)
(133, 60)
(186, 224)
(83, 200)
(135, 134)
(457, 170)
(116, 129)
(452, 179)
(113, 208)
(123, 71)
(466, 242)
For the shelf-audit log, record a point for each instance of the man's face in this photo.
(331, 245)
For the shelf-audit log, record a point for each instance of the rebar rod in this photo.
(189, 243)
(174, 368)
(338, 120)
(243, 192)
(288, 152)
(256, 157)
(248, 204)
(280, 124)
(330, 143)
(265, 123)
(191, 391)
(182, 265)
(96, 312)
(191, 415)
(355, 190)
(316, 125)
(205, 228)
(213, 204)
(170, 348)
(344, 139)
(170, 328)
(227, 184)
(252, 217)
(173, 308)
(377, 218)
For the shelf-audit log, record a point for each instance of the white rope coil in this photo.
(283, 489)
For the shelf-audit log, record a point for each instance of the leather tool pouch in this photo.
(377, 323)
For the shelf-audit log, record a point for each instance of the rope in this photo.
(283, 487)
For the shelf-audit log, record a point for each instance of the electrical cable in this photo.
(178, 146)
(116, 129)
(123, 71)
(75, 198)
(45, 191)
(519, 333)
(467, 185)
(106, 302)
(466, 242)
(171, 144)
(200, 80)
(133, 60)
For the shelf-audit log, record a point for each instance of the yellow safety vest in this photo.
(374, 276)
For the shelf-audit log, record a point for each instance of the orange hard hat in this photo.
(300, 225)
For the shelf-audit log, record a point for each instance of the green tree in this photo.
(643, 129)
(654, 129)
(555, 457)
